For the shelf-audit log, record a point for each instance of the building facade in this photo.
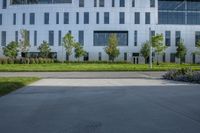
(92, 21)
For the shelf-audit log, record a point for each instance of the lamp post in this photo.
(150, 56)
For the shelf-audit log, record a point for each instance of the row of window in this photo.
(101, 37)
(86, 18)
(81, 2)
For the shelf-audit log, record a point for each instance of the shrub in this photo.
(41, 61)
(17, 61)
(32, 61)
(10, 61)
(4, 61)
(36, 61)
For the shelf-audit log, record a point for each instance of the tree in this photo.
(69, 44)
(79, 51)
(24, 42)
(181, 51)
(145, 50)
(197, 52)
(158, 45)
(11, 50)
(44, 49)
(111, 50)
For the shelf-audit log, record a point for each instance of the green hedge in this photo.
(26, 61)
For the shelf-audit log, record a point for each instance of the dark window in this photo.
(97, 18)
(35, 38)
(100, 56)
(121, 18)
(122, 3)
(95, 3)
(178, 38)
(152, 3)
(77, 18)
(16, 36)
(153, 33)
(23, 18)
(101, 37)
(4, 4)
(3, 38)
(113, 3)
(66, 18)
(81, 3)
(133, 3)
(168, 38)
(1, 19)
(46, 18)
(51, 38)
(147, 18)
(86, 57)
(137, 18)
(59, 38)
(106, 17)
(197, 37)
(135, 38)
(81, 37)
(14, 19)
(32, 18)
(101, 3)
(86, 18)
(57, 18)
(164, 57)
(172, 57)
(125, 56)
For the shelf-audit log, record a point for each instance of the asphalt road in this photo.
(102, 106)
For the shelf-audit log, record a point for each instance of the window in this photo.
(86, 57)
(106, 17)
(95, 3)
(46, 18)
(3, 38)
(122, 3)
(168, 38)
(40, 1)
(59, 38)
(113, 3)
(81, 3)
(101, 37)
(135, 38)
(14, 19)
(125, 56)
(32, 18)
(121, 18)
(97, 18)
(86, 18)
(197, 37)
(77, 18)
(147, 18)
(0, 19)
(178, 37)
(152, 3)
(51, 38)
(101, 3)
(23, 18)
(16, 36)
(81, 37)
(35, 38)
(133, 3)
(153, 33)
(172, 57)
(66, 18)
(57, 18)
(100, 56)
(4, 4)
(137, 18)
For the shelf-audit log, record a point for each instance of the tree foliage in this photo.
(181, 51)
(197, 52)
(44, 49)
(69, 43)
(24, 42)
(145, 50)
(11, 50)
(111, 50)
(79, 51)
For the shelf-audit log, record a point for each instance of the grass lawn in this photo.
(8, 85)
(67, 67)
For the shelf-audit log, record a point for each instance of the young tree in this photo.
(111, 50)
(79, 51)
(197, 52)
(181, 51)
(69, 44)
(11, 50)
(145, 50)
(24, 42)
(158, 45)
(44, 49)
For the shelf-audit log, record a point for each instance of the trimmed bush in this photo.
(32, 61)
(10, 61)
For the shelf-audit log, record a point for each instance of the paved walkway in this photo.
(84, 74)
(102, 106)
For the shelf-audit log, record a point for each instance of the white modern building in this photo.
(91, 22)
